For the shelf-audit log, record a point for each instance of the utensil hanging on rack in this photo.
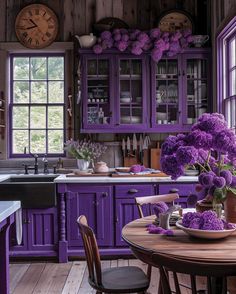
(123, 147)
(135, 145)
(128, 146)
(141, 148)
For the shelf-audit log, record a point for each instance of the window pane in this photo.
(39, 92)
(38, 117)
(38, 141)
(21, 68)
(20, 117)
(55, 141)
(38, 68)
(233, 82)
(232, 48)
(21, 92)
(56, 92)
(55, 68)
(20, 140)
(55, 117)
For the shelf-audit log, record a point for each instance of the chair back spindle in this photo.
(91, 250)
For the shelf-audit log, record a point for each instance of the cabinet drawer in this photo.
(184, 189)
(131, 191)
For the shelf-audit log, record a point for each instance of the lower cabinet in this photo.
(96, 203)
(126, 208)
(40, 233)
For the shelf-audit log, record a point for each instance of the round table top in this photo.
(180, 245)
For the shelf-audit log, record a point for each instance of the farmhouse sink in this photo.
(32, 191)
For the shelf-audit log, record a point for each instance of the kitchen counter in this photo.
(63, 179)
(7, 210)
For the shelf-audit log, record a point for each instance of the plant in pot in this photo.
(85, 152)
(211, 146)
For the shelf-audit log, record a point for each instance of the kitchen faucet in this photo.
(36, 165)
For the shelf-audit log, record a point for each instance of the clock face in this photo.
(36, 26)
(174, 21)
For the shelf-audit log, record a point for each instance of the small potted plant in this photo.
(85, 152)
(211, 146)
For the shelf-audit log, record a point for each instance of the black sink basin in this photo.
(32, 191)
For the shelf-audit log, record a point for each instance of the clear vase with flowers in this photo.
(85, 152)
(211, 146)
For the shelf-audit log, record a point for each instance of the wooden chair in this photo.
(127, 279)
(149, 200)
(216, 273)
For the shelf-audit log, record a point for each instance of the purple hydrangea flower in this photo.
(200, 139)
(195, 223)
(125, 37)
(117, 37)
(155, 33)
(122, 45)
(219, 182)
(186, 155)
(171, 167)
(223, 140)
(227, 175)
(188, 217)
(108, 43)
(233, 183)
(160, 44)
(106, 35)
(97, 49)
(156, 54)
(143, 38)
(160, 207)
(207, 179)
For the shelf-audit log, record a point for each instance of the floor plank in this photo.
(17, 271)
(74, 278)
(29, 280)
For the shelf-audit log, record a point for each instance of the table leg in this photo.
(4, 257)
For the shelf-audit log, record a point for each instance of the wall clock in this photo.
(174, 20)
(36, 26)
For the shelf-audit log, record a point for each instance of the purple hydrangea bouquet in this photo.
(137, 42)
(85, 150)
(209, 146)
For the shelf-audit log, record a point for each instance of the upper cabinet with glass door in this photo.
(166, 89)
(196, 87)
(131, 96)
(97, 92)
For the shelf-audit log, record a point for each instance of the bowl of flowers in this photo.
(205, 225)
(85, 152)
(211, 146)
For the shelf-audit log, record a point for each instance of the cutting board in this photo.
(129, 161)
(138, 176)
(155, 157)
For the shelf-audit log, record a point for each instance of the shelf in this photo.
(103, 86)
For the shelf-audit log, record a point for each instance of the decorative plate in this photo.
(174, 20)
(205, 234)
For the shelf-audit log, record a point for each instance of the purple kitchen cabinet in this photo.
(40, 233)
(180, 90)
(96, 203)
(126, 208)
(124, 93)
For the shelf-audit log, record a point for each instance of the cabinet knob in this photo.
(104, 194)
(174, 190)
(132, 191)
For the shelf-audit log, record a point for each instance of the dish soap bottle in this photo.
(100, 115)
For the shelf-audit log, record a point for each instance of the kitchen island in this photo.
(7, 210)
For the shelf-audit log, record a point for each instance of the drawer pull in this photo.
(132, 191)
(104, 194)
(174, 190)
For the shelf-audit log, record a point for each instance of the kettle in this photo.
(86, 41)
(101, 167)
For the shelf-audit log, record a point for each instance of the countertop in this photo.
(98, 180)
(7, 208)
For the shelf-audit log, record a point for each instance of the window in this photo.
(226, 74)
(37, 104)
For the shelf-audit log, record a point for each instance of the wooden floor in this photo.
(69, 278)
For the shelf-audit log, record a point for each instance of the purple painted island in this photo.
(7, 211)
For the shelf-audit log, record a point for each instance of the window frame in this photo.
(224, 96)
(11, 105)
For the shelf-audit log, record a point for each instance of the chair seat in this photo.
(128, 279)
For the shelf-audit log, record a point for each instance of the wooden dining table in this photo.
(180, 245)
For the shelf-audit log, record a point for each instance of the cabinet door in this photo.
(95, 202)
(196, 88)
(166, 94)
(132, 95)
(126, 211)
(97, 92)
(14, 247)
(42, 229)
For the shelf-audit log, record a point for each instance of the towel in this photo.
(18, 218)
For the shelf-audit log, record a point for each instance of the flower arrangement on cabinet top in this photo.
(83, 149)
(137, 42)
(211, 146)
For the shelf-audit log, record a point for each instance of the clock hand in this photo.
(33, 22)
(30, 27)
